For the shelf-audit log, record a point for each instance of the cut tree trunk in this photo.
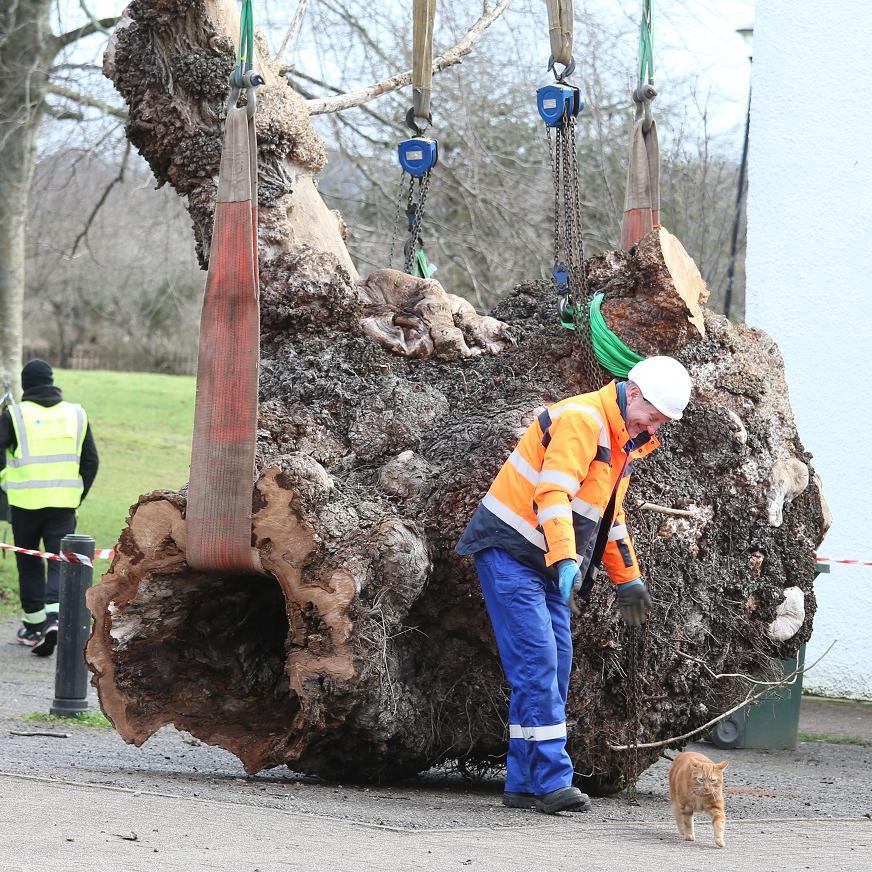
(387, 406)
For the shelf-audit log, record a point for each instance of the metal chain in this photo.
(575, 192)
(415, 232)
(556, 182)
(397, 216)
(568, 238)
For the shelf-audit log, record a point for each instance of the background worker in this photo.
(552, 513)
(51, 463)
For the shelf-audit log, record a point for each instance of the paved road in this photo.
(73, 804)
(99, 828)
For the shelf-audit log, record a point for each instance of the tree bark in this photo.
(387, 406)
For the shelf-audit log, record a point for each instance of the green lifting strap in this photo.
(421, 267)
(246, 39)
(646, 48)
(611, 352)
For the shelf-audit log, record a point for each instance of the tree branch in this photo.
(307, 78)
(95, 25)
(293, 29)
(453, 56)
(85, 100)
(117, 180)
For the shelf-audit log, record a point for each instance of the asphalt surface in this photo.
(81, 799)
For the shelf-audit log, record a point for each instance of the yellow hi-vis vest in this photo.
(43, 471)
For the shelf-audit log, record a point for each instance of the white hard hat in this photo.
(664, 383)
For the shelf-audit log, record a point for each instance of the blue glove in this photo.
(634, 602)
(567, 570)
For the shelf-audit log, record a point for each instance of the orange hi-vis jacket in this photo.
(551, 499)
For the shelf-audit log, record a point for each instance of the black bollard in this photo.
(74, 626)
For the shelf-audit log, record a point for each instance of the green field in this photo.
(142, 424)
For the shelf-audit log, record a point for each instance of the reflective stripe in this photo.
(618, 531)
(561, 510)
(514, 520)
(20, 429)
(529, 472)
(586, 510)
(45, 458)
(80, 420)
(33, 617)
(58, 482)
(553, 476)
(537, 734)
(585, 410)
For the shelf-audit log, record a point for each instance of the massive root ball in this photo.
(386, 409)
(368, 652)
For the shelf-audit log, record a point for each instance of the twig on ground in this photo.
(30, 734)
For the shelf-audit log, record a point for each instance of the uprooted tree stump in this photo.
(387, 406)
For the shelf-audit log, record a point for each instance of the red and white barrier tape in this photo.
(64, 556)
(848, 562)
(109, 553)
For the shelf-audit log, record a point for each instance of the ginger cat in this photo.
(697, 784)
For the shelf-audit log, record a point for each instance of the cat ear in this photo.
(722, 765)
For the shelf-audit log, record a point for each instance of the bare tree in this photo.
(28, 51)
(109, 264)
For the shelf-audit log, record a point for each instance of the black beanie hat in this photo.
(36, 372)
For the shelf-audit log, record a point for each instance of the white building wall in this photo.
(809, 269)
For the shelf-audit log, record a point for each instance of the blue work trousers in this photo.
(531, 623)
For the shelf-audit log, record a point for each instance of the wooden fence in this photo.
(117, 360)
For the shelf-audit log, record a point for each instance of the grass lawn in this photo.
(142, 425)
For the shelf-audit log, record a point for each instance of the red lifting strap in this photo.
(642, 198)
(220, 491)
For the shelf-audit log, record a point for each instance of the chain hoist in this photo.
(559, 105)
(418, 154)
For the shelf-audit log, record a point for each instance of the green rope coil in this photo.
(646, 47)
(611, 352)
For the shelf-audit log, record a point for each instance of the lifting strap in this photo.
(642, 197)
(560, 31)
(219, 507)
(424, 12)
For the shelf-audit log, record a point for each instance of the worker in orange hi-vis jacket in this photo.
(552, 514)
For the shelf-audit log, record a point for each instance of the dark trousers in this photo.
(29, 526)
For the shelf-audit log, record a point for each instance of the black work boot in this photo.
(563, 799)
(519, 800)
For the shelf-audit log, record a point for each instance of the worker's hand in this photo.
(567, 570)
(634, 602)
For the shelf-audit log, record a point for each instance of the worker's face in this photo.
(642, 417)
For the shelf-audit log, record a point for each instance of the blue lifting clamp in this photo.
(418, 155)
